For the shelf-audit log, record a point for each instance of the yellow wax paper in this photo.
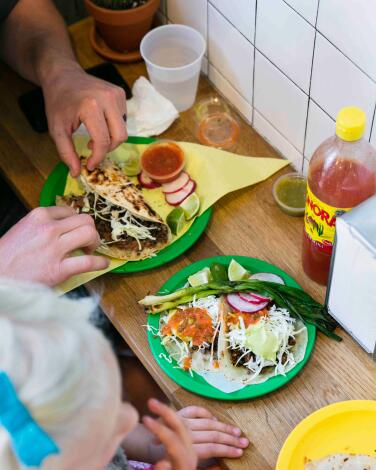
(216, 173)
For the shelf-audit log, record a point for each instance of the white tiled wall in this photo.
(288, 66)
(230, 53)
(336, 81)
(290, 46)
(320, 126)
(274, 95)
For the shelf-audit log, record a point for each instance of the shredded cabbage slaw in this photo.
(121, 220)
(282, 325)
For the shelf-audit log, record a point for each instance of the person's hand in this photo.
(73, 97)
(171, 432)
(212, 438)
(38, 247)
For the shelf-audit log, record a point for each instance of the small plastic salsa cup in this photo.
(289, 192)
(163, 161)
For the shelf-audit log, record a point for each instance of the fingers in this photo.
(84, 236)
(162, 465)
(166, 436)
(74, 221)
(217, 437)
(82, 264)
(96, 124)
(171, 419)
(195, 412)
(117, 128)
(212, 450)
(115, 118)
(212, 425)
(65, 147)
(43, 214)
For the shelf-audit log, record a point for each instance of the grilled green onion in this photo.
(300, 304)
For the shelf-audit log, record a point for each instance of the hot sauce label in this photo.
(320, 221)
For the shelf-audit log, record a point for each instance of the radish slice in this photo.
(146, 182)
(177, 198)
(269, 277)
(253, 298)
(240, 305)
(259, 297)
(176, 185)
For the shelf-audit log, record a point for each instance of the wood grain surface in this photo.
(246, 222)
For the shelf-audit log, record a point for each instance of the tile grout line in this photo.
(220, 92)
(347, 57)
(254, 107)
(322, 109)
(296, 11)
(332, 43)
(310, 84)
(282, 72)
(254, 67)
(232, 24)
(279, 132)
(372, 124)
(254, 45)
(231, 85)
(207, 35)
(285, 74)
(312, 26)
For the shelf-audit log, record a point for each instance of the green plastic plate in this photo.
(55, 185)
(196, 383)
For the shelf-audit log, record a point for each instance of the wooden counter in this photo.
(244, 223)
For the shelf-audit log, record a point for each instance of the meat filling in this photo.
(103, 225)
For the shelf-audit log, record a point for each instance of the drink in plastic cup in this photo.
(173, 55)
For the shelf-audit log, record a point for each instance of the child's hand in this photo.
(212, 438)
(171, 432)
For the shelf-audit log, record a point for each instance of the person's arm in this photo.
(35, 42)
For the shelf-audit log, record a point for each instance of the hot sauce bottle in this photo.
(342, 174)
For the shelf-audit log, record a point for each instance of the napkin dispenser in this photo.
(351, 294)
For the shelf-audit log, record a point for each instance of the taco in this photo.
(128, 227)
(343, 462)
(190, 334)
(257, 346)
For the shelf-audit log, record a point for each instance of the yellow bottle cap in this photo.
(350, 123)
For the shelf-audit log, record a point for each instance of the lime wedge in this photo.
(191, 206)
(236, 272)
(176, 220)
(128, 159)
(199, 278)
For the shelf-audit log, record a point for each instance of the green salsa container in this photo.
(289, 192)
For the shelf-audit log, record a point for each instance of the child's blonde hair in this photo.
(54, 359)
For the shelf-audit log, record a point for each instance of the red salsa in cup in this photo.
(163, 161)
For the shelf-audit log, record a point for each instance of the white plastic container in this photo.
(173, 55)
(351, 294)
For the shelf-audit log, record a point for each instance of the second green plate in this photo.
(196, 383)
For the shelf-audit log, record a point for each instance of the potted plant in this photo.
(122, 23)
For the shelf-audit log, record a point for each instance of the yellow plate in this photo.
(344, 427)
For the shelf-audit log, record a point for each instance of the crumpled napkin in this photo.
(148, 112)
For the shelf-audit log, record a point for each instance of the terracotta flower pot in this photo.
(122, 30)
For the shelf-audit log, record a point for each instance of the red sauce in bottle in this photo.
(343, 185)
(342, 174)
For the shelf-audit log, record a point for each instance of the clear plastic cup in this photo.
(173, 55)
